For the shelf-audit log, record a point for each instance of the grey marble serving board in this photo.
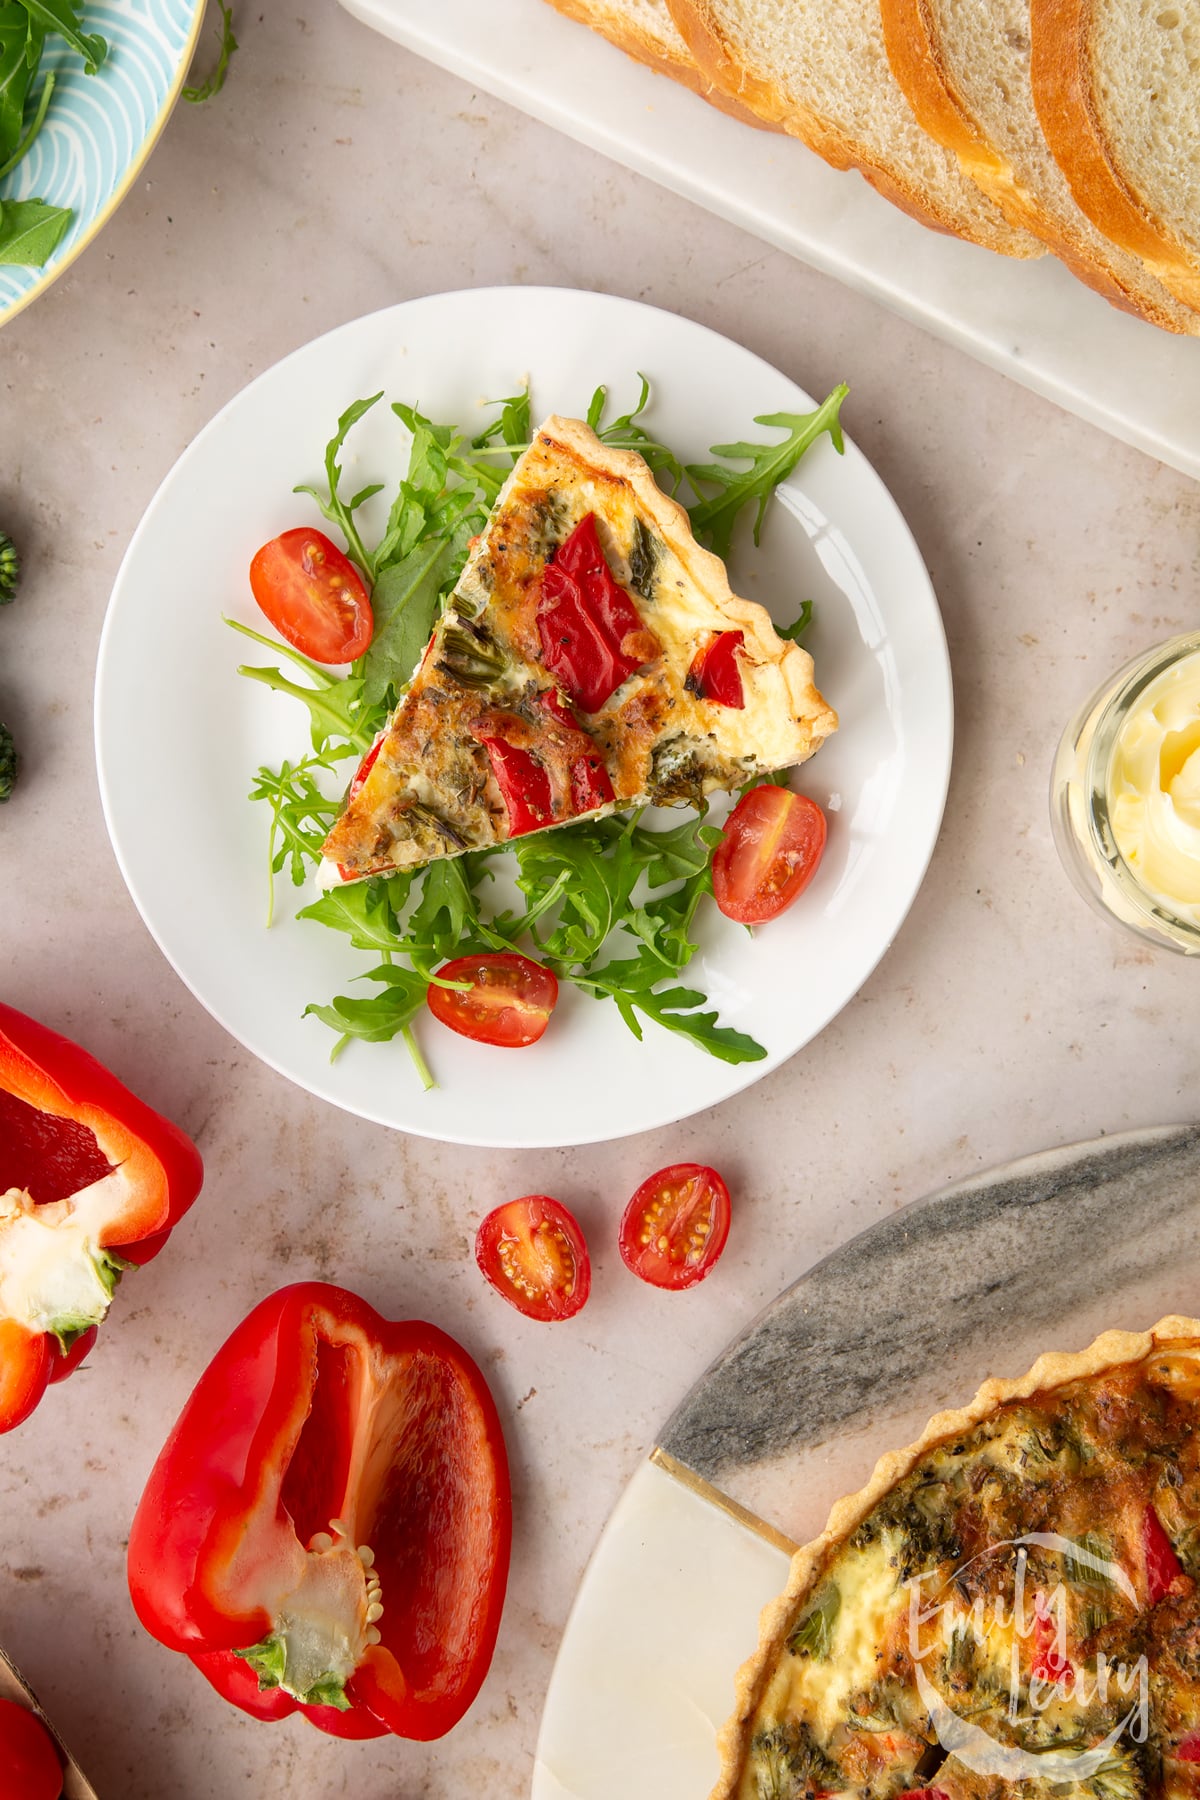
(913, 1314)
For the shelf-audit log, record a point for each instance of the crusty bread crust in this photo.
(1113, 1349)
(1062, 75)
(699, 22)
(918, 62)
(666, 54)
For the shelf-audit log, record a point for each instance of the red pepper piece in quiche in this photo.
(1162, 1566)
(592, 635)
(714, 673)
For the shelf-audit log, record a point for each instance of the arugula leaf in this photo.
(212, 84)
(35, 125)
(447, 911)
(331, 709)
(300, 818)
(672, 855)
(334, 702)
(713, 519)
(341, 512)
(626, 434)
(592, 869)
(67, 20)
(378, 1018)
(364, 910)
(406, 601)
(31, 231)
(631, 985)
(15, 76)
(513, 427)
(421, 490)
(664, 925)
(795, 631)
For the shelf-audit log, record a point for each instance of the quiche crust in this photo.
(1111, 1351)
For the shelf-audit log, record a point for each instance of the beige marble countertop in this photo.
(334, 175)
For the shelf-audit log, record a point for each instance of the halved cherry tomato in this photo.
(29, 1765)
(768, 854)
(508, 1003)
(533, 1252)
(675, 1227)
(313, 595)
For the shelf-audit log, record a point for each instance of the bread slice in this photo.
(966, 71)
(645, 30)
(820, 68)
(1117, 88)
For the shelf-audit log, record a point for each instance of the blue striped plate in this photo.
(101, 128)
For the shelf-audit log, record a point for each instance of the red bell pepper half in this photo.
(91, 1183)
(591, 632)
(327, 1529)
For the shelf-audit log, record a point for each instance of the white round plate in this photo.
(192, 848)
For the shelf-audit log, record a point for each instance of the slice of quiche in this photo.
(1009, 1607)
(591, 657)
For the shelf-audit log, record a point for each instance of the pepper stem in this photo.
(325, 1626)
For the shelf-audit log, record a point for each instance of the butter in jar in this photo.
(1154, 788)
(1125, 795)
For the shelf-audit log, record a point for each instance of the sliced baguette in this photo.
(1117, 88)
(966, 71)
(820, 69)
(645, 30)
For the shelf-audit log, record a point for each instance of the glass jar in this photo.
(1125, 796)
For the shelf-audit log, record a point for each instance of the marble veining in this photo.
(855, 1336)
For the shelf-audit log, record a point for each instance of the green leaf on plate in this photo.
(66, 19)
(31, 231)
(15, 75)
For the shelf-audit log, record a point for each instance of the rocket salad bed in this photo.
(607, 904)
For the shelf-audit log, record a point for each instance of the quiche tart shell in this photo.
(430, 760)
(1054, 1369)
